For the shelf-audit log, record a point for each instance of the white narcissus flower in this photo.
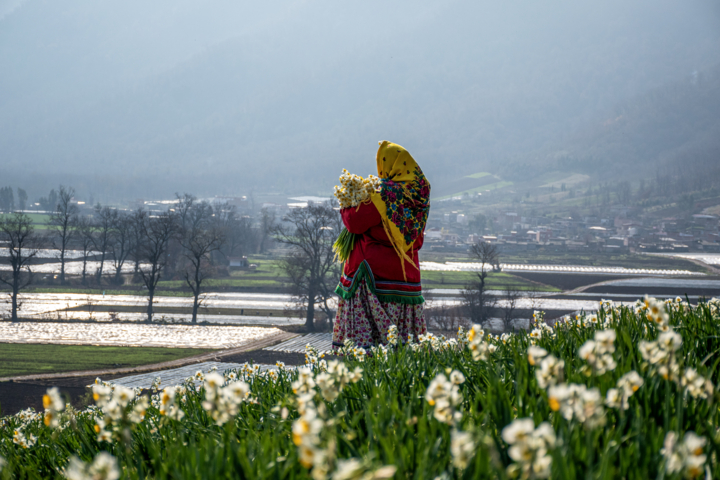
(535, 354)
(462, 448)
(697, 385)
(103, 467)
(304, 382)
(237, 390)
(615, 398)
(101, 394)
(670, 341)
(518, 431)
(123, 395)
(137, 414)
(655, 311)
(349, 469)
(605, 340)
(630, 382)
(52, 400)
(684, 456)
(392, 336)
(457, 377)
(529, 448)
(53, 407)
(479, 348)
(213, 381)
(598, 352)
(577, 402)
(550, 371)
(445, 397)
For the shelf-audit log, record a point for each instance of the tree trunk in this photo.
(309, 319)
(151, 294)
(195, 305)
(13, 315)
(62, 265)
(100, 269)
(84, 271)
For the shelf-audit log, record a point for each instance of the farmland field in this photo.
(627, 393)
(495, 281)
(27, 359)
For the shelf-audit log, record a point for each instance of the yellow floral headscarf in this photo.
(403, 199)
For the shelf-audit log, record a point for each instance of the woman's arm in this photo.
(360, 219)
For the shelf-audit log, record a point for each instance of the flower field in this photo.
(624, 393)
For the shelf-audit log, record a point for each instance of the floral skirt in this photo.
(365, 320)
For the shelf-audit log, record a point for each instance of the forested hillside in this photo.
(670, 129)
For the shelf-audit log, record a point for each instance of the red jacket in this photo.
(374, 259)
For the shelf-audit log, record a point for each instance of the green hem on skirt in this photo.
(364, 272)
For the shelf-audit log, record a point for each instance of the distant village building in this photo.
(238, 262)
(433, 235)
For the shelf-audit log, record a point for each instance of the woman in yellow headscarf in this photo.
(380, 285)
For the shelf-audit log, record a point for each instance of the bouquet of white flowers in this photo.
(353, 191)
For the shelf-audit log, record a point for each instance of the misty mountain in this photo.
(148, 98)
(671, 127)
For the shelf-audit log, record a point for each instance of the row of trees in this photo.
(189, 241)
(192, 238)
(7, 199)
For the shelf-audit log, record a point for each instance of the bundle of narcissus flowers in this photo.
(353, 191)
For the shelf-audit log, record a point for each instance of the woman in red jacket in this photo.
(380, 285)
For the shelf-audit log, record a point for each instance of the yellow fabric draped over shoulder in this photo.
(403, 199)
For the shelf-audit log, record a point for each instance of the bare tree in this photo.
(121, 239)
(267, 220)
(476, 300)
(103, 223)
(181, 211)
(510, 298)
(17, 232)
(439, 314)
(84, 228)
(22, 199)
(137, 223)
(61, 224)
(311, 232)
(199, 237)
(157, 233)
(488, 256)
(240, 237)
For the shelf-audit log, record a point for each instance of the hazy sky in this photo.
(226, 96)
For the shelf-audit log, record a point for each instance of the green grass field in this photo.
(629, 260)
(495, 281)
(22, 359)
(38, 218)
